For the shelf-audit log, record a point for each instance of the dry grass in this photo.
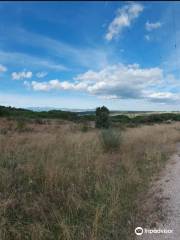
(59, 183)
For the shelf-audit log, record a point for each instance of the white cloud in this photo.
(21, 59)
(147, 37)
(124, 18)
(41, 74)
(91, 56)
(50, 85)
(121, 81)
(115, 82)
(21, 75)
(151, 26)
(164, 97)
(2, 68)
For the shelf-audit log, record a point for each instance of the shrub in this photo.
(39, 121)
(84, 126)
(121, 119)
(102, 117)
(110, 139)
(21, 125)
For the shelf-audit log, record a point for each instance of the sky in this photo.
(124, 55)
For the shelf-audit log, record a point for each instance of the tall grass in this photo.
(110, 139)
(60, 184)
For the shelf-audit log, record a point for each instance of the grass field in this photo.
(61, 181)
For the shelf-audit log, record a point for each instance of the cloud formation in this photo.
(2, 68)
(41, 74)
(21, 75)
(27, 60)
(50, 85)
(164, 97)
(124, 18)
(152, 26)
(115, 82)
(68, 54)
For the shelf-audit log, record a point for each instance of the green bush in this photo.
(102, 117)
(121, 119)
(110, 139)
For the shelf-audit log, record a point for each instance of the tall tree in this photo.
(102, 117)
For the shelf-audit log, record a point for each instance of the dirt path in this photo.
(167, 191)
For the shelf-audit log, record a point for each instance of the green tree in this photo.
(102, 117)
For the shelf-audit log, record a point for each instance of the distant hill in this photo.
(27, 113)
(40, 109)
(125, 117)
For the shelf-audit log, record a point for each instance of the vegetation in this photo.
(110, 139)
(21, 125)
(84, 126)
(57, 182)
(28, 114)
(146, 119)
(102, 117)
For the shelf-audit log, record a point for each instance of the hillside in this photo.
(128, 117)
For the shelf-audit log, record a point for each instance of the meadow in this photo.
(61, 180)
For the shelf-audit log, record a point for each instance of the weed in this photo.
(111, 139)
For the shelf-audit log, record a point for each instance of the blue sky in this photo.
(124, 55)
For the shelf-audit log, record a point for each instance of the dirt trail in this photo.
(168, 189)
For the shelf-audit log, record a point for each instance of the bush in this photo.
(110, 140)
(84, 126)
(102, 117)
(121, 119)
(21, 125)
(39, 121)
